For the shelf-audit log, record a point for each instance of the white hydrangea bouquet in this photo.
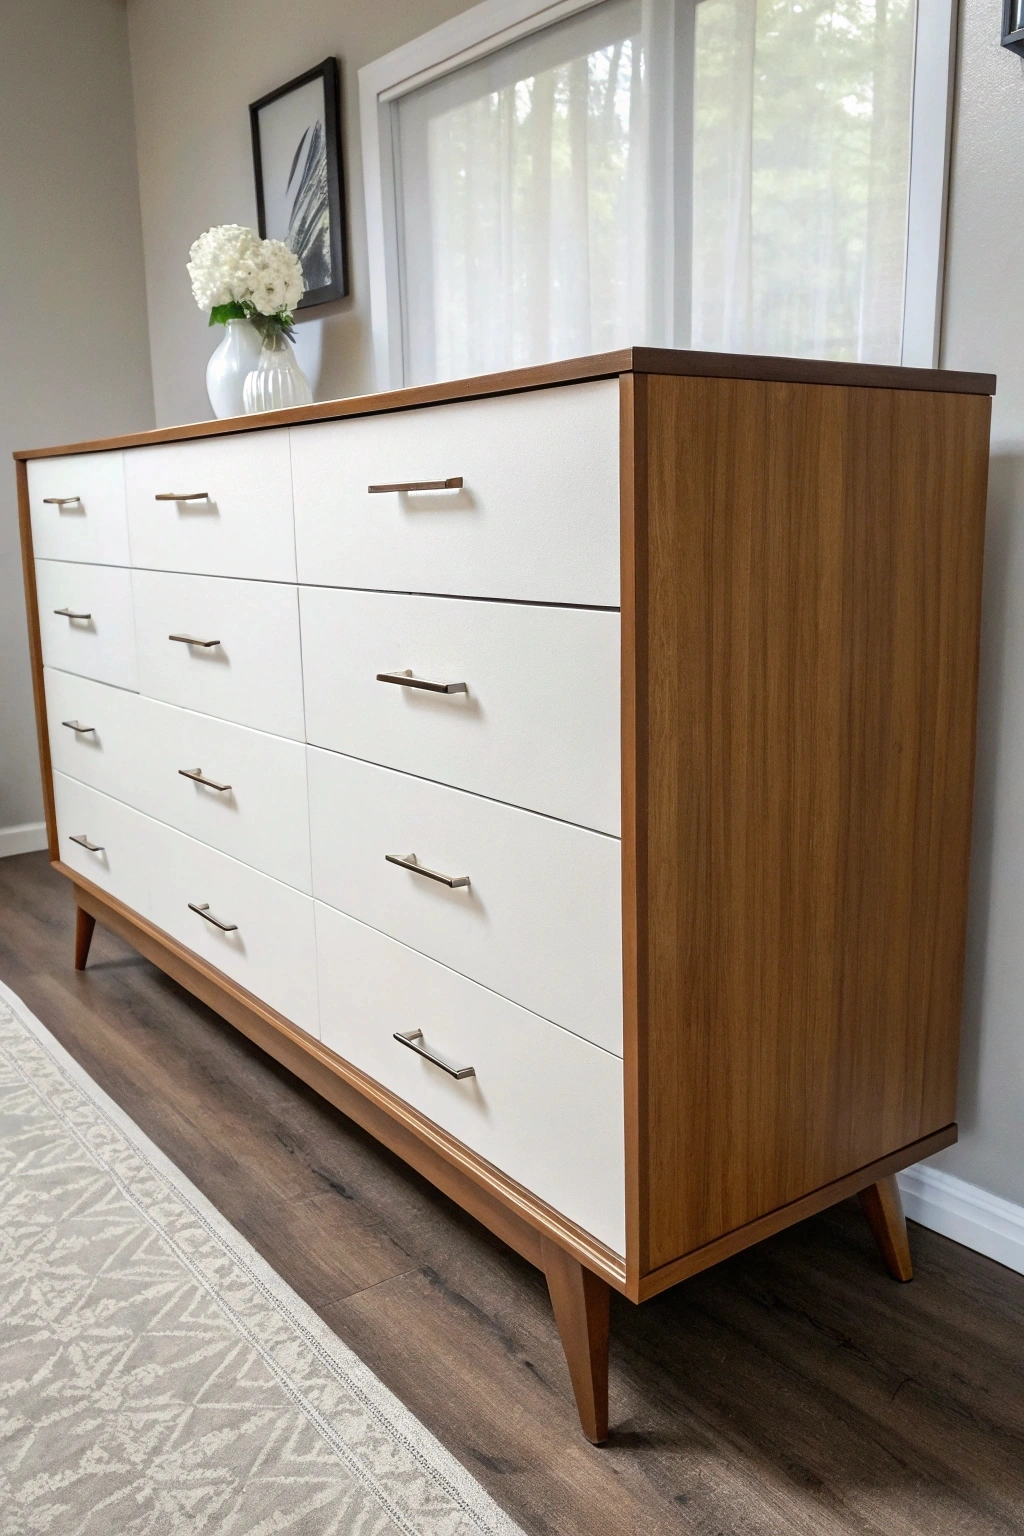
(250, 287)
(237, 276)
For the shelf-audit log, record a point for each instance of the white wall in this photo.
(982, 330)
(196, 65)
(75, 357)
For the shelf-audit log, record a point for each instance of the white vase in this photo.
(230, 365)
(277, 381)
(308, 343)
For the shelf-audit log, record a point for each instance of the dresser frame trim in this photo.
(511, 1212)
(35, 654)
(574, 370)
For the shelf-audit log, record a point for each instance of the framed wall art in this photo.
(296, 151)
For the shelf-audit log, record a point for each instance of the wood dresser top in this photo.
(720, 365)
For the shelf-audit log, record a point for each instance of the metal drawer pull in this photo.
(76, 725)
(410, 861)
(203, 908)
(193, 640)
(182, 496)
(454, 484)
(406, 680)
(196, 775)
(83, 842)
(61, 501)
(438, 1061)
(68, 613)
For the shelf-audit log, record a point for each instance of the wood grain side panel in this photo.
(511, 1212)
(35, 654)
(814, 577)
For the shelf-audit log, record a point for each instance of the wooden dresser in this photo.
(568, 773)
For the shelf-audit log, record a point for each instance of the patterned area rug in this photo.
(155, 1374)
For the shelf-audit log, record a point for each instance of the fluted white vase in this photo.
(277, 381)
(230, 366)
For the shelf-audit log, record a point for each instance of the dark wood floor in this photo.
(793, 1391)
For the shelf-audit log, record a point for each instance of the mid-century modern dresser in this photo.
(567, 772)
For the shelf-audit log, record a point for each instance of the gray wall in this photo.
(75, 349)
(196, 65)
(981, 330)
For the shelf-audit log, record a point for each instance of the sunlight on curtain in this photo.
(522, 191)
(754, 153)
(801, 168)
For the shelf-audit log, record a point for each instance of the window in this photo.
(747, 175)
(521, 181)
(801, 176)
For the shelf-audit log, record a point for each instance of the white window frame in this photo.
(495, 23)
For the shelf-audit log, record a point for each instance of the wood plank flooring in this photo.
(793, 1391)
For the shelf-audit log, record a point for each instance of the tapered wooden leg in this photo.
(579, 1300)
(883, 1208)
(84, 925)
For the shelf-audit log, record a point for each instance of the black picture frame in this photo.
(1013, 25)
(335, 248)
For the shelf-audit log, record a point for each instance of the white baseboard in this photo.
(28, 838)
(967, 1214)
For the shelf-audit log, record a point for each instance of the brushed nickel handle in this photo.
(410, 861)
(76, 725)
(84, 842)
(69, 613)
(182, 496)
(60, 501)
(198, 777)
(406, 680)
(203, 909)
(453, 484)
(438, 1061)
(193, 640)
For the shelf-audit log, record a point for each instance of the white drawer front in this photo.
(540, 919)
(543, 1106)
(271, 950)
(101, 645)
(132, 747)
(239, 520)
(78, 508)
(253, 675)
(95, 733)
(537, 516)
(261, 817)
(121, 857)
(537, 727)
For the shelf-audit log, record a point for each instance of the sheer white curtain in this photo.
(522, 195)
(801, 175)
(724, 174)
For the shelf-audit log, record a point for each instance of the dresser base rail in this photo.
(580, 1272)
(511, 1212)
(862, 1181)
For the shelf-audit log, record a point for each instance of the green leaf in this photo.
(220, 314)
(268, 324)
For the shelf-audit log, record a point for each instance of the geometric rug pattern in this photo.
(156, 1376)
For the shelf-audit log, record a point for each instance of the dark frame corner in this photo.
(329, 72)
(1013, 37)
